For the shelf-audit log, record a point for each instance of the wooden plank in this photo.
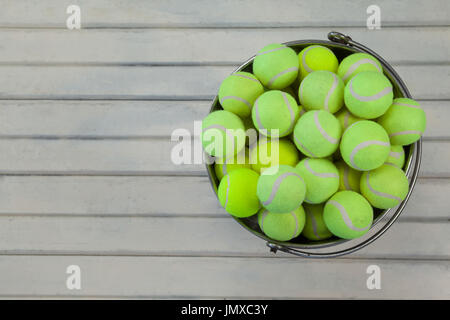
(201, 13)
(139, 157)
(173, 236)
(173, 83)
(207, 46)
(167, 277)
(133, 119)
(147, 196)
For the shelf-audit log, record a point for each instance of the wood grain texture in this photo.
(209, 277)
(204, 13)
(205, 46)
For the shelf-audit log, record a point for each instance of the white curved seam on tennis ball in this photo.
(228, 191)
(330, 92)
(263, 216)
(305, 65)
(322, 131)
(319, 174)
(313, 223)
(258, 119)
(345, 176)
(363, 145)
(300, 94)
(346, 118)
(282, 73)
(277, 184)
(303, 146)
(296, 224)
(245, 76)
(348, 222)
(405, 132)
(291, 112)
(395, 154)
(271, 50)
(407, 105)
(373, 97)
(357, 64)
(247, 103)
(379, 193)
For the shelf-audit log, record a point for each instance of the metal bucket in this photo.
(342, 46)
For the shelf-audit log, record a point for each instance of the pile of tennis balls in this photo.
(340, 135)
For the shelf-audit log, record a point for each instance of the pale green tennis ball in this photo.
(281, 189)
(349, 178)
(224, 166)
(322, 90)
(365, 145)
(384, 187)
(368, 95)
(357, 63)
(346, 118)
(316, 57)
(237, 193)
(317, 134)
(405, 121)
(282, 226)
(276, 66)
(348, 215)
(268, 153)
(321, 178)
(238, 93)
(223, 134)
(396, 156)
(275, 113)
(315, 227)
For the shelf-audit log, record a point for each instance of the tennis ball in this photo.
(321, 177)
(357, 63)
(346, 118)
(349, 178)
(282, 226)
(317, 134)
(281, 189)
(275, 113)
(251, 134)
(315, 228)
(238, 93)
(322, 90)
(396, 156)
(276, 66)
(384, 187)
(267, 153)
(405, 121)
(223, 134)
(224, 166)
(315, 57)
(368, 95)
(348, 215)
(365, 145)
(237, 193)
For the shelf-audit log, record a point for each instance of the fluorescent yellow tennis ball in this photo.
(357, 63)
(349, 178)
(276, 66)
(384, 187)
(322, 90)
(368, 95)
(267, 153)
(315, 227)
(346, 118)
(275, 113)
(365, 145)
(404, 121)
(224, 166)
(317, 134)
(238, 93)
(237, 193)
(282, 226)
(396, 156)
(348, 215)
(223, 134)
(316, 57)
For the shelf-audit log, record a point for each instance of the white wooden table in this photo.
(86, 179)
